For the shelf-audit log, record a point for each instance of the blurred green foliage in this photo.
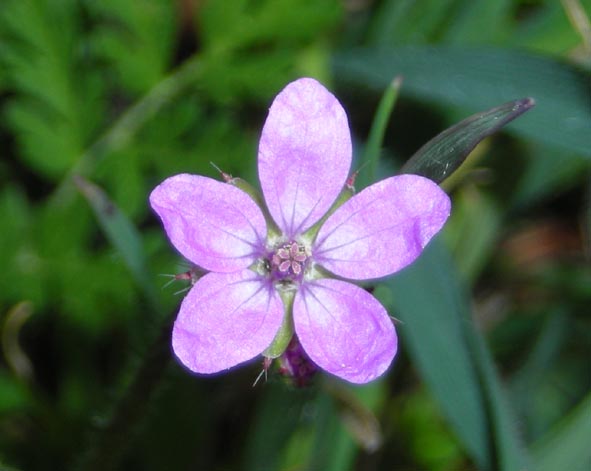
(495, 367)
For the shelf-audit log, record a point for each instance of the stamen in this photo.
(288, 261)
(300, 257)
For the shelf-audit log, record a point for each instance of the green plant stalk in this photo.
(378, 128)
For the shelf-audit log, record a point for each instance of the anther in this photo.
(287, 262)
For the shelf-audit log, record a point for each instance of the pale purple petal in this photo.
(304, 155)
(226, 319)
(383, 228)
(213, 224)
(344, 330)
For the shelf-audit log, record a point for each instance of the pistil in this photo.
(288, 261)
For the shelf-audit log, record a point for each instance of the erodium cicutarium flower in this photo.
(278, 269)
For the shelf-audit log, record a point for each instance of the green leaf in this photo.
(249, 50)
(127, 125)
(14, 395)
(426, 298)
(472, 231)
(567, 446)
(54, 99)
(121, 233)
(542, 357)
(452, 358)
(510, 453)
(333, 446)
(550, 29)
(480, 21)
(18, 280)
(378, 127)
(547, 171)
(135, 38)
(277, 421)
(443, 154)
(477, 78)
(410, 21)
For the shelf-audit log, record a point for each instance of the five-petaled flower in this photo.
(272, 276)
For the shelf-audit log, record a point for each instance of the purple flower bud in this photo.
(296, 365)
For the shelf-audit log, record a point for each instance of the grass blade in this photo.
(426, 298)
(121, 233)
(477, 78)
(567, 447)
(378, 127)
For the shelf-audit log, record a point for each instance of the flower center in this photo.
(288, 261)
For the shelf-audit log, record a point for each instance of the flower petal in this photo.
(213, 224)
(226, 319)
(383, 228)
(344, 330)
(304, 155)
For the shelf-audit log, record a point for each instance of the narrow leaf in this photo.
(567, 446)
(345, 423)
(453, 359)
(378, 127)
(509, 452)
(121, 233)
(275, 420)
(426, 298)
(476, 78)
(443, 154)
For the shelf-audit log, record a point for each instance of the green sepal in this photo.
(345, 195)
(285, 333)
(255, 194)
(248, 189)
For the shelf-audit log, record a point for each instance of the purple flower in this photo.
(272, 276)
